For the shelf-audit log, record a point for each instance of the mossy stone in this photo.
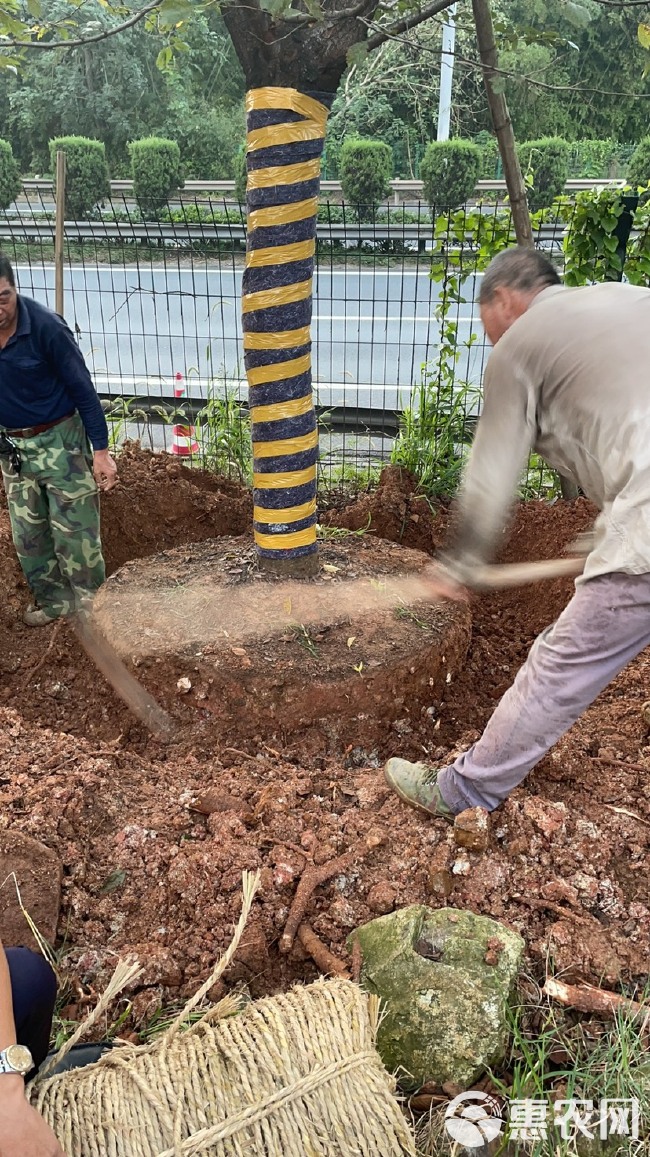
(445, 979)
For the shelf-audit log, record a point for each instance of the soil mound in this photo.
(153, 839)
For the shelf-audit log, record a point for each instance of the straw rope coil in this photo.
(294, 1075)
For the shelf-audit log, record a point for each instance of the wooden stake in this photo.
(506, 140)
(59, 232)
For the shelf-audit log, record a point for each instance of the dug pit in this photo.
(325, 659)
(153, 837)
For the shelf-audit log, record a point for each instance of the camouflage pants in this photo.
(54, 511)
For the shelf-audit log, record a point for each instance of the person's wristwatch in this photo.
(16, 1059)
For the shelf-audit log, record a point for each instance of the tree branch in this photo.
(524, 78)
(577, 89)
(408, 22)
(105, 34)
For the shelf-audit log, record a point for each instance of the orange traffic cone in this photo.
(184, 443)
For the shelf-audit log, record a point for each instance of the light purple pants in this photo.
(604, 626)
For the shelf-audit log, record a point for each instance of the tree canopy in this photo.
(171, 69)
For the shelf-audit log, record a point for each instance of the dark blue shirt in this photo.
(43, 375)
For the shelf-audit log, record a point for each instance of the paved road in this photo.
(138, 328)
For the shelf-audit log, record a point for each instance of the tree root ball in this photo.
(335, 656)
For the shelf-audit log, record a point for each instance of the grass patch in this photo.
(563, 1080)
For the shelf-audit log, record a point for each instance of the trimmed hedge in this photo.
(240, 176)
(10, 182)
(638, 170)
(490, 160)
(211, 146)
(545, 165)
(156, 172)
(86, 173)
(365, 170)
(449, 171)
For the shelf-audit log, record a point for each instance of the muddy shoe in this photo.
(36, 617)
(417, 785)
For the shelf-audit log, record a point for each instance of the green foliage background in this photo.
(551, 51)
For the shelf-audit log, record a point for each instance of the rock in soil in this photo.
(445, 980)
(472, 829)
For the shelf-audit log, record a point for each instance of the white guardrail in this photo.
(400, 189)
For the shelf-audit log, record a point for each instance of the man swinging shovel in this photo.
(570, 378)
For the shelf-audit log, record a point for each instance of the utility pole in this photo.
(446, 73)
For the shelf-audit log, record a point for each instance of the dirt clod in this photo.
(381, 898)
(37, 886)
(549, 818)
(472, 829)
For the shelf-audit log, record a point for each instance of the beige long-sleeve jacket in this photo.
(571, 380)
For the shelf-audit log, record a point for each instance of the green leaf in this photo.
(498, 84)
(173, 12)
(643, 32)
(276, 8)
(314, 9)
(164, 58)
(578, 14)
(35, 9)
(112, 882)
(357, 54)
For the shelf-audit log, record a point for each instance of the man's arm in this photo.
(23, 1133)
(504, 436)
(67, 360)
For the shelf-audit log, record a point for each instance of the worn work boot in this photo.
(417, 785)
(36, 617)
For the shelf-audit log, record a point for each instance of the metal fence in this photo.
(156, 309)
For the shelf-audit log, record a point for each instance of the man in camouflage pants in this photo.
(49, 415)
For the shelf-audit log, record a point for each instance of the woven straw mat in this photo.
(293, 1075)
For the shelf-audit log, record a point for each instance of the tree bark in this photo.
(284, 144)
(506, 140)
(502, 122)
(310, 57)
(292, 71)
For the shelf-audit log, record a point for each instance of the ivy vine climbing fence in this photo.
(398, 348)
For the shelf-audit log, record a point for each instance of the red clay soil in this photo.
(153, 838)
(253, 655)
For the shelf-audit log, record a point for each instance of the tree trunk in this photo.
(285, 138)
(502, 123)
(506, 141)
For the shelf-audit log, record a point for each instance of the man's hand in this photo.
(23, 1133)
(441, 585)
(105, 471)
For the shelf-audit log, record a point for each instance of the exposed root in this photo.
(586, 998)
(310, 880)
(328, 963)
(43, 659)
